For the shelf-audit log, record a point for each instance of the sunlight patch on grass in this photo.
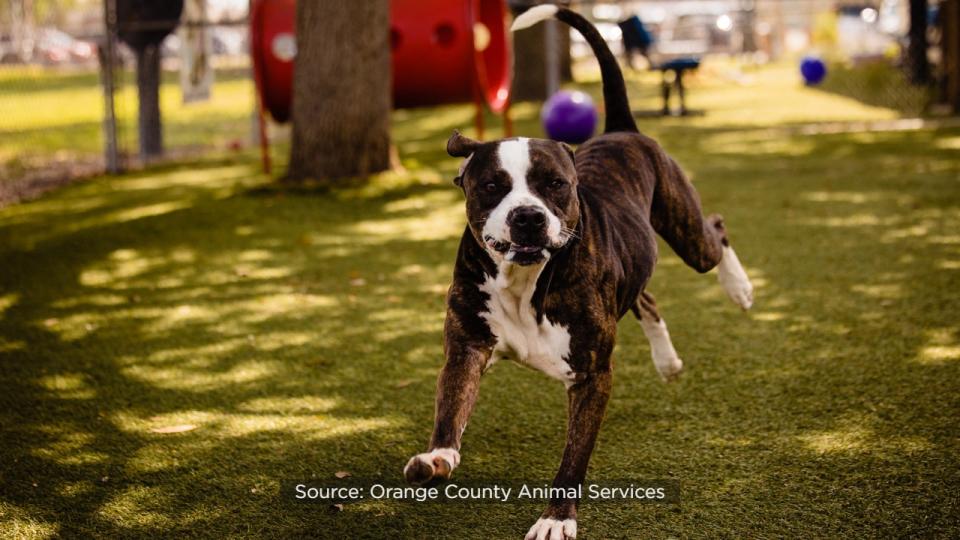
(149, 210)
(71, 448)
(852, 197)
(120, 268)
(79, 488)
(201, 356)
(68, 386)
(912, 231)
(290, 405)
(736, 143)
(436, 224)
(307, 425)
(73, 327)
(380, 184)
(862, 219)
(948, 239)
(847, 440)
(203, 177)
(887, 291)
(948, 143)
(862, 439)
(202, 380)
(19, 524)
(437, 118)
(136, 507)
(939, 354)
(941, 347)
(7, 301)
(7, 346)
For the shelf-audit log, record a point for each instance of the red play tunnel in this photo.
(444, 51)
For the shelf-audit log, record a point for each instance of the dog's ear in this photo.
(569, 150)
(460, 146)
(463, 166)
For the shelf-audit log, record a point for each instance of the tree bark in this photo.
(918, 68)
(529, 56)
(148, 90)
(950, 48)
(341, 90)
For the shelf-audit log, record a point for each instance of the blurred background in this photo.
(55, 100)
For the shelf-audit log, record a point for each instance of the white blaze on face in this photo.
(514, 156)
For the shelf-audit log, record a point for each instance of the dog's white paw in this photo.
(438, 463)
(669, 367)
(734, 279)
(665, 357)
(552, 529)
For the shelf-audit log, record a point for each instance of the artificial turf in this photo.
(283, 334)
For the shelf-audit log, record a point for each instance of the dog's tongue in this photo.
(526, 249)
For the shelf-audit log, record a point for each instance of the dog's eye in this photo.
(557, 183)
(491, 187)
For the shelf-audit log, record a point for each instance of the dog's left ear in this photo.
(460, 146)
(569, 150)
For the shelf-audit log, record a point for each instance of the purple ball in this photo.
(570, 117)
(813, 70)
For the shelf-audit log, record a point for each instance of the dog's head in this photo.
(521, 195)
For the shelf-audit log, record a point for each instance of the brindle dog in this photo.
(558, 247)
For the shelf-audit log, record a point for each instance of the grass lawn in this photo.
(47, 115)
(299, 334)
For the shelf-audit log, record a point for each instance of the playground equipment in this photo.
(813, 70)
(273, 47)
(443, 51)
(143, 26)
(570, 117)
(637, 38)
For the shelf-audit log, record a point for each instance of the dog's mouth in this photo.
(524, 255)
(518, 253)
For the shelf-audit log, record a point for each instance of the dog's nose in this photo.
(527, 217)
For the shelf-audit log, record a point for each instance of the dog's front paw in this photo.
(434, 465)
(547, 528)
(734, 279)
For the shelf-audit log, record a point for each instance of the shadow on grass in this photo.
(300, 335)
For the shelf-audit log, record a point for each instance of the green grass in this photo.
(879, 84)
(47, 115)
(301, 334)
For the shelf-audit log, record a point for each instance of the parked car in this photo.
(57, 47)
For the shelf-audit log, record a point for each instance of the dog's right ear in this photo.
(460, 146)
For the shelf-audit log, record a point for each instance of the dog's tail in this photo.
(619, 116)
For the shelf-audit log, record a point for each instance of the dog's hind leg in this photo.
(665, 357)
(700, 241)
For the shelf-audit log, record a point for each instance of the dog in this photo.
(559, 246)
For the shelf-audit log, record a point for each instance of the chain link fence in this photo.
(54, 100)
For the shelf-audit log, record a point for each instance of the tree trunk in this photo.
(950, 48)
(341, 90)
(918, 68)
(529, 56)
(148, 90)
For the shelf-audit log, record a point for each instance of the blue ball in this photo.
(570, 117)
(813, 70)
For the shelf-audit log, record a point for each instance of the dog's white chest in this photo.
(512, 319)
